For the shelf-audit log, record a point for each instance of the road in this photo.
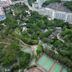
(22, 1)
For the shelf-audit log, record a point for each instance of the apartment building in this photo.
(59, 11)
(55, 11)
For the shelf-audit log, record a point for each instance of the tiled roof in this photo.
(4, 3)
(58, 6)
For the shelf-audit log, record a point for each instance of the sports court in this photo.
(50, 65)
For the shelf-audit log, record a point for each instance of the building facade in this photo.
(67, 17)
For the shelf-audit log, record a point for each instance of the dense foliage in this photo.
(68, 5)
(38, 29)
(10, 53)
(62, 51)
(10, 46)
(39, 49)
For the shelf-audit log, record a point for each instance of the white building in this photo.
(67, 17)
(59, 11)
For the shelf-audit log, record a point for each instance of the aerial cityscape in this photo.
(35, 35)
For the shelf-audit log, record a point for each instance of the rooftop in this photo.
(5, 3)
(59, 7)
